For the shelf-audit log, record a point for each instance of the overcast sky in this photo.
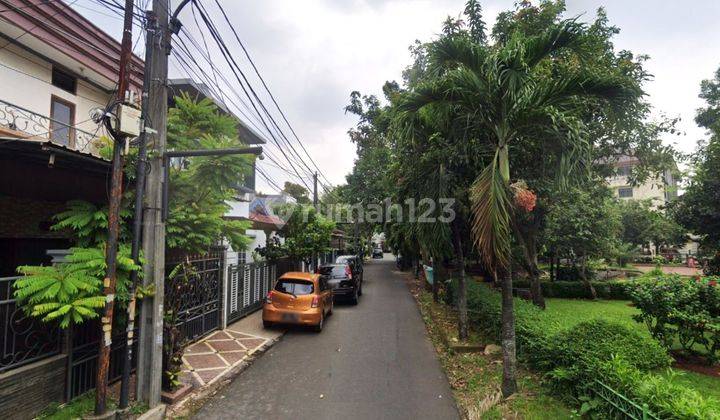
(313, 53)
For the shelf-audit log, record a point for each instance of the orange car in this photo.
(298, 298)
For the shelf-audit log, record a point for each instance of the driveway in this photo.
(372, 361)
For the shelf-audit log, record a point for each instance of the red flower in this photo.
(712, 283)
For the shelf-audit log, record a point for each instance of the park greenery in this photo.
(520, 123)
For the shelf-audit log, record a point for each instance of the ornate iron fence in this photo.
(23, 339)
(620, 406)
(38, 126)
(82, 361)
(193, 292)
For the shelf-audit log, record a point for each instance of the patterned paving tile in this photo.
(228, 345)
(208, 375)
(233, 357)
(239, 334)
(201, 347)
(202, 361)
(219, 335)
(252, 343)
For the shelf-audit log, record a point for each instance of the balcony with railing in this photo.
(16, 121)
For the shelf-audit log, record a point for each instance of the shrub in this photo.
(664, 397)
(682, 309)
(573, 358)
(572, 273)
(574, 354)
(611, 290)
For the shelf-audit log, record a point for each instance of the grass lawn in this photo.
(568, 312)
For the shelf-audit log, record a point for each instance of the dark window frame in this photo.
(63, 73)
(620, 194)
(70, 125)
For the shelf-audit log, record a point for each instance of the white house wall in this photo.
(27, 82)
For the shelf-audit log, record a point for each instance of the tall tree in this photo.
(297, 191)
(698, 209)
(503, 93)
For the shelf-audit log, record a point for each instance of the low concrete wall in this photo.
(27, 390)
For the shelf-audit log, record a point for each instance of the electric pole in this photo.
(316, 256)
(149, 366)
(141, 170)
(113, 218)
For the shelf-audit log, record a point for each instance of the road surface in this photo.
(371, 361)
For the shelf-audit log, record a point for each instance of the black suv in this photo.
(343, 282)
(355, 262)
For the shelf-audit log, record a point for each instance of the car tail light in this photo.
(315, 302)
(348, 272)
(268, 299)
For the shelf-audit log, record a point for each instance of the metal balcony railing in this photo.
(35, 126)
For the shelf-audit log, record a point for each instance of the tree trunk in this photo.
(552, 266)
(438, 276)
(462, 293)
(527, 243)
(588, 283)
(507, 335)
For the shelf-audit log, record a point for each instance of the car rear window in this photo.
(294, 286)
(333, 270)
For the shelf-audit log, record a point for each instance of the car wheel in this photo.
(319, 326)
(267, 324)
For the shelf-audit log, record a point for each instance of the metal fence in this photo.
(248, 284)
(23, 339)
(82, 361)
(620, 406)
(193, 293)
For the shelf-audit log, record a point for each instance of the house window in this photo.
(62, 118)
(64, 80)
(625, 192)
(624, 170)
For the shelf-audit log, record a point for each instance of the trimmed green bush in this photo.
(573, 358)
(686, 310)
(611, 290)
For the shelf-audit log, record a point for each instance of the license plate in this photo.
(289, 317)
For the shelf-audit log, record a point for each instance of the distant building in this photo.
(659, 190)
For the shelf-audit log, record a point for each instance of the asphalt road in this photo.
(371, 361)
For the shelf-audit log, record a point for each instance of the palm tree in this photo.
(506, 95)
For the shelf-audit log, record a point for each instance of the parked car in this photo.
(356, 264)
(342, 281)
(377, 253)
(298, 298)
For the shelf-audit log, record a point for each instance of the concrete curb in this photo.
(155, 413)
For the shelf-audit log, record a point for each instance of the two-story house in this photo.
(55, 67)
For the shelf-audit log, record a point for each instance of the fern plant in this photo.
(71, 293)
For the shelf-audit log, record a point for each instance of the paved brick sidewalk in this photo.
(216, 355)
(683, 271)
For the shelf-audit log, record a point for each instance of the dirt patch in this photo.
(695, 363)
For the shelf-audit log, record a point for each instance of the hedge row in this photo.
(572, 358)
(611, 289)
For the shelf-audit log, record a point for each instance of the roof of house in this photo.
(198, 90)
(55, 31)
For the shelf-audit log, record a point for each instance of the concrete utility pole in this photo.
(150, 40)
(113, 219)
(316, 256)
(149, 367)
